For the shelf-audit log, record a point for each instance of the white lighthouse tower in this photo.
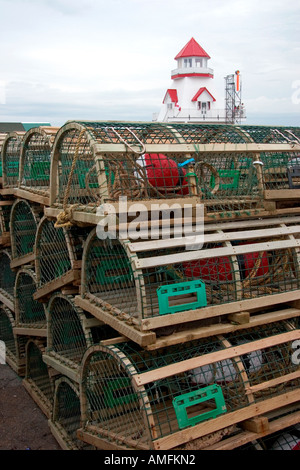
(192, 96)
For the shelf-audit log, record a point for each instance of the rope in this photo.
(65, 218)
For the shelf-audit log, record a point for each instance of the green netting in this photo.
(23, 222)
(37, 373)
(66, 413)
(198, 279)
(68, 334)
(6, 332)
(36, 161)
(7, 276)
(116, 406)
(11, 159)
(29, 312)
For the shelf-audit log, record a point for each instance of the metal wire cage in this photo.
(30, 313)
(66, 415)
(152, 283)
(7, 280)
(5, 210)
(24, 220)
(162, 400)
(35, 160)
(14, 345)
(221, 165)
(70, 332)
(58, 253)
(10, 153)
(38, 380)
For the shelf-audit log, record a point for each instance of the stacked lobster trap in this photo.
(153, 281)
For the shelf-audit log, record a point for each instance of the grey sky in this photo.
(111, 60)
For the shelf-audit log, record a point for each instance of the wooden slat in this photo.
(229, 353)
(213, 238)
(190, 334)
(187, 255)
(277, 194)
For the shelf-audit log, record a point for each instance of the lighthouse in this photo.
(192, 96)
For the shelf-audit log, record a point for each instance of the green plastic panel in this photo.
(165, 293)
(184, 402)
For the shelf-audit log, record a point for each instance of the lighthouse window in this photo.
(187, 62)
(198, 62)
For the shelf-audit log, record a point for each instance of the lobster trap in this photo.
(39, 378)
(139, 288)
(58, 253)
(30, 314)
(14, 345)
(10, 152)
(221, 166)
(24, 220)
(5, 210)
(160, 400)
(65, 418)
(70, 332)
(35, 162)
(7, 280)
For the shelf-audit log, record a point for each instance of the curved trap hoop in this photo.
(14, 344)
(65, 418)
(38, 380)
(24, 220)
(7, 280)
(58, 253)
(10, 153)
(30, 314)
(70, 332)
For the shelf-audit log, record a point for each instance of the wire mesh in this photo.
(5, 211)
(115, 407)
(11, 159)
(36, 159)
(23, 222)
(7, 324)
(68, 332)
(37, 373)
(57, 251)
(29, 312)
(7, 275)
(66, 413)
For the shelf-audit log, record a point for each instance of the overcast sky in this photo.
(112, 59)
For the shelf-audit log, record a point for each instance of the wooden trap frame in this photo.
(35, 163)
(5, 210)
(160, 292)
(30, 314)
(66, 415)
(70, 332)
(161, 400)
(7, 280)
(10, 154)
(96, 163)
(58, 253)
(14, 344)
(24, 220)
(39, 377)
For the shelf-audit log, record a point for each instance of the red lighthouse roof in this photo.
(192, 49)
